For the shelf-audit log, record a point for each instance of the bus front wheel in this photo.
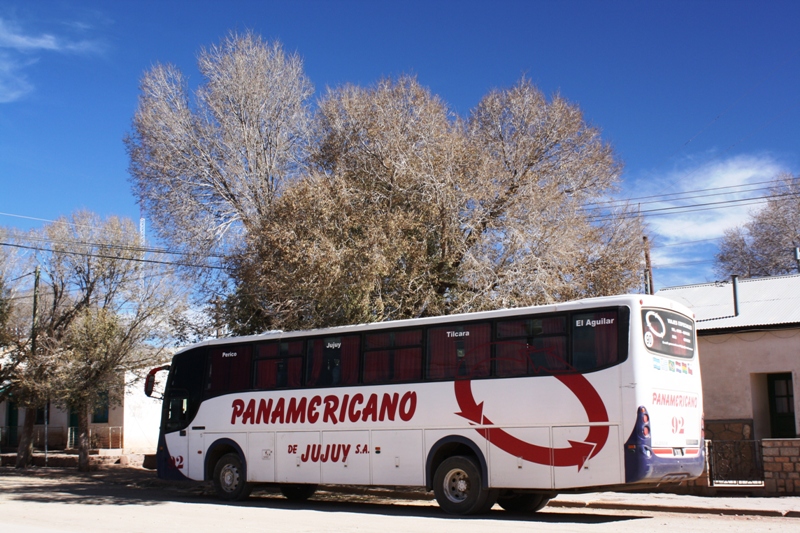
(457, 485)
(229, 478)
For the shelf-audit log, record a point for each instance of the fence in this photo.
(735, 463)
(56, 438)
(101, 437)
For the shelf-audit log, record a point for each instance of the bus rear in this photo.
(666, 443)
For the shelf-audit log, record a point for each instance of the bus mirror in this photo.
(150, 380)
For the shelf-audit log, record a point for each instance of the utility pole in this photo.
(35, 305)
(36, 276)
(648, 272)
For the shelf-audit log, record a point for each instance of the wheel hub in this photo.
(456, 485)
(229, 478)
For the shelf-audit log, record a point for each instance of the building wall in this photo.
(142, 418)
(734, 367)
(782, 466)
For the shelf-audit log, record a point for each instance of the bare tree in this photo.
(529, 236)
(764, 246)
(103, 308)
(414, 213)
(207, 169)
(382, 205)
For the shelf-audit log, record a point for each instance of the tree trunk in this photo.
(25, 447)
(83, 438)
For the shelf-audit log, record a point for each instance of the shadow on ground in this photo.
(117, 485)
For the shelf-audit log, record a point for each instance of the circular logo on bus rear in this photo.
(653, 314)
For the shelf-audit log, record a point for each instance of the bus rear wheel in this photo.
(522, 502)
(457, 485)
(298, 492)
(229, 478)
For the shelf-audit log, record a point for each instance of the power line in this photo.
(125, 247)
(684, 263)
(79, 291)
(99, 256)
(684, 243)
(690, 208)
(20, 277)
(683, 195)
(65, 222)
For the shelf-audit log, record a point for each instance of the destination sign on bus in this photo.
(668, 333)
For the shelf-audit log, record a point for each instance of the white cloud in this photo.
(10, 37)
(684, 243)
(735, 178)
(19, 50)
(13, 83)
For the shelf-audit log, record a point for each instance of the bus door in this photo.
(196, 452)
(176, 439)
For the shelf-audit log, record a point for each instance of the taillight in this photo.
(643, 423)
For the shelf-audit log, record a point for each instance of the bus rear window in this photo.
(668, 333)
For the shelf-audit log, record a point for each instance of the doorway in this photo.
(781, 406)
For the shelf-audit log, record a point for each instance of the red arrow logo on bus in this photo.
(576, 454)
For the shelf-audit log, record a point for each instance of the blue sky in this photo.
(692, 95)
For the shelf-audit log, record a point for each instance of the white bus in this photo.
(509, 406)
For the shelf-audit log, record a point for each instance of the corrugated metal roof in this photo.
(762, 302)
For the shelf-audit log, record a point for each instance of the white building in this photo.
(130, 428)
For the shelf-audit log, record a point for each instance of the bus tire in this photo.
(523, 502)
(229, 478)
(298, 492)
(457, 485)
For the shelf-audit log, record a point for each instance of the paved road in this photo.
(124, 500)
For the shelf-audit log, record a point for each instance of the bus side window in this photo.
(279, 365)
(178, 411)
(531, 346)
(459, 351)
(393, 356)
(333, 361)
(595, 339)
(228, 370)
